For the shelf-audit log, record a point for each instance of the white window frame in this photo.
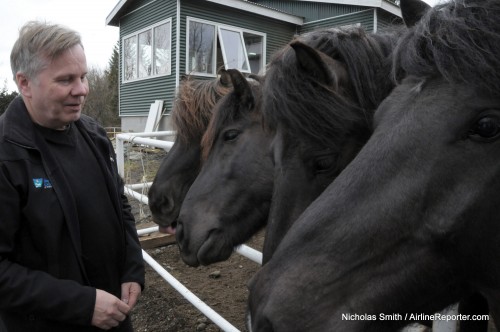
(217, 36)
(152, 52)
(244, 56)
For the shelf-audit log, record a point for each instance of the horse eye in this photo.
(486, 127)
(231, 135)
(324, 163)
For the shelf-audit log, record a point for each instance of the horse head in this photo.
(318, 100)
(410, 226)
(191, 113)
(229, 200)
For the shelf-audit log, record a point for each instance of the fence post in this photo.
(120, 156)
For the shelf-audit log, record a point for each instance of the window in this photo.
(212, 46)
(255, 49)
(235, 55)
(201, 48)
(147, 53)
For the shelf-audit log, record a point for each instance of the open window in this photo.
(212, 46)
(233, 49)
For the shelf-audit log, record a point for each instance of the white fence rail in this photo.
(250, 253)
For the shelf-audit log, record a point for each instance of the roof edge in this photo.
(260, 10)
(111, 19)
(388, 6)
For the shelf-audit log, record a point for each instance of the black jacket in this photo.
(43, 283)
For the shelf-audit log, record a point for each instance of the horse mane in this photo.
(459, 41)
(193, 106)
(295, 100)
(228, 110)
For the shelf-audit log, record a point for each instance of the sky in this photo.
(88, 17)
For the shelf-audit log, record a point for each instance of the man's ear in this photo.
(23, 84)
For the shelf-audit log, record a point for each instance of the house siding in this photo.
(364, 17)
(312, 11)
(137, 96)
(277, 33)
(386, 20)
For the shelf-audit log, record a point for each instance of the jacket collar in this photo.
(19, 128)
(17, 124)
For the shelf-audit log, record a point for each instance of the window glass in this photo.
(162, 49)
(130, 58)
(201, 47)
(255, 51)
(211, 46)
(145, 54)
(233, 50)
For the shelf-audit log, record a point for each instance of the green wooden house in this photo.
(162, 40)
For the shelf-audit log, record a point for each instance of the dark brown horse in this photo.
(191, 113)
(213, 218)
(411, 224)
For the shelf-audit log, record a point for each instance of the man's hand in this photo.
(130, 293)
(109, 311)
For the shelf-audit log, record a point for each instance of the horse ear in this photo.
(314, 63)
(241, 87)
(412, 11)
(224, 78)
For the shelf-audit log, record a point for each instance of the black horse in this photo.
(318, 103)
(411, 225)
(229, 200)
(326, 85)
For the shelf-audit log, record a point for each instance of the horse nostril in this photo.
(167, 204)
(264, 325)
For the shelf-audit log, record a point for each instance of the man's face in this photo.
(55, 97)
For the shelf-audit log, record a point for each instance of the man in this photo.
(70, 258)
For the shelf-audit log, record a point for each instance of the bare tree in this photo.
(101, 99)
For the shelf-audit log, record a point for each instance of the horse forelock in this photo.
(297, 101)
(193, 107)
(367, 57)
(459, 41)
(228, 110)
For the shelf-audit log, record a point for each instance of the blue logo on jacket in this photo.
(41, 182)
